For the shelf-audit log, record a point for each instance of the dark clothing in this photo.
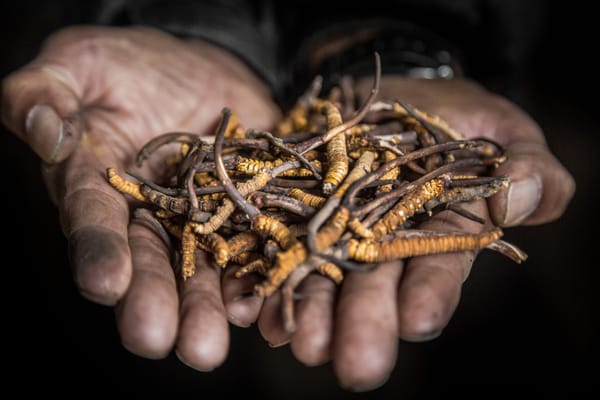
(490, 37)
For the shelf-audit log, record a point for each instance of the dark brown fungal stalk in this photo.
(334, 187)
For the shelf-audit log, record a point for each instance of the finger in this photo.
(147, 316)
(94, 219)
(242, 307)
(431, 285)
(540, 189)
(203, 341)
(270, 322)
(40, 104)
(365, 338)
(311, 342)
(429, 294)
(540, 186)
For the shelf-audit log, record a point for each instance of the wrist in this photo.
(229, 64)
(405, 49)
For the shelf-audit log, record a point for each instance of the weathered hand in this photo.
(358, 324)
(90, 100)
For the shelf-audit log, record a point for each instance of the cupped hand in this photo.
(357, 325)
(90, 99)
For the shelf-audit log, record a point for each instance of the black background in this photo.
(533, 325)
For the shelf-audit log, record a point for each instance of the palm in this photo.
(357, 324)
(126, 86)
(133, 84)
(138, 83)
(475, 112)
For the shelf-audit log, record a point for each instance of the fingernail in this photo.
(522, 199)
(422, 338)
(51, 137)
(44, 131)
(236, 321)
(275, 345)
(189, 364)
(152, 355)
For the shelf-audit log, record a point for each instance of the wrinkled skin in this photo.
(124, 86)
(357, 326)
(95, 95)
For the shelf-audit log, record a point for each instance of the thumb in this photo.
(541, 187)
(41, 107)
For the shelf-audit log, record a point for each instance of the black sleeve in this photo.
(244, 27)
(486, 40)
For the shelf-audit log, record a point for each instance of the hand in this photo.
(357, 325)
(90, 100)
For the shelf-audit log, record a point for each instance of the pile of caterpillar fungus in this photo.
(331, 189)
